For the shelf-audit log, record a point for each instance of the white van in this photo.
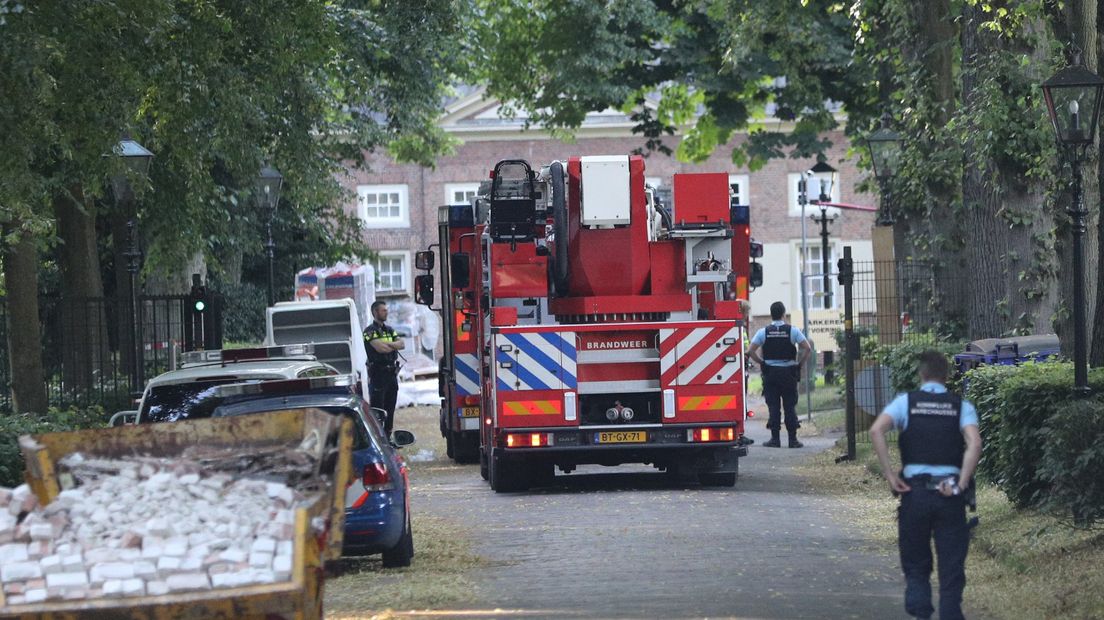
(332, 326)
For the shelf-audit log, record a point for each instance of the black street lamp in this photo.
(1073, 102)
(885, 155)
(826, 185)
(268, 194)
(137, 159)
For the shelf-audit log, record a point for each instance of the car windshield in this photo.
(182, 401)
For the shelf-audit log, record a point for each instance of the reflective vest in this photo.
(934, 434)
(381, 363)
(777, 345)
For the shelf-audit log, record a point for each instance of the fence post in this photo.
(851, 348)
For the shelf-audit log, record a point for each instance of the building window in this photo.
(460, 193)
(383, 206)
(739, 185)
(391, 273)
(814, 185)
(814, 278)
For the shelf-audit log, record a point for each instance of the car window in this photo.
(361, 437)
(182, 401)
(321, 371)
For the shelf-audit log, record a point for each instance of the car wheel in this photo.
(403, 551)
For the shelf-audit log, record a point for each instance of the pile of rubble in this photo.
(146, 526)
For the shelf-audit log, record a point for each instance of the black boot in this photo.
(794, 443)
(774, 442)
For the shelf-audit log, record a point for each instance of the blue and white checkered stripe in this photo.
(467, 373)
(535, 361)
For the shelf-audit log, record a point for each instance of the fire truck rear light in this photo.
(528, 440)
(668, 403)
(471, 399)
(703, 435)
(487, 421)
(750, 413)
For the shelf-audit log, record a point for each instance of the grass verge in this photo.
(436, 579)
(1022, 564)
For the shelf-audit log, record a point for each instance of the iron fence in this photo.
(88, 352)
(893, 302)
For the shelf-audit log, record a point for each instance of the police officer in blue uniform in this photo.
(780, 364)
(383, 345)
(940, 447)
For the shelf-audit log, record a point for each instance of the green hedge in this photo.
(902, 359)
(1072, 467)
(12, 426)
(1029, 420)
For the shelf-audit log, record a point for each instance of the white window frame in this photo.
(815, 280)
(794, 208)
(404, 257)
(744, 196)
(403, 219)
(451, 189)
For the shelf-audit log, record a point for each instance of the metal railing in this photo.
(88, 352)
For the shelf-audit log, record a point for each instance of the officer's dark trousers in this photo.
(923, 515)
(382, 392)
(780, 392)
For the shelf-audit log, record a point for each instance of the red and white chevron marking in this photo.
(697, 355)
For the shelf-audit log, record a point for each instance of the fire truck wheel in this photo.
(465, 448)
(483, 470)
(542, 474)
(718, 479)
(450, 450)
(506, 477)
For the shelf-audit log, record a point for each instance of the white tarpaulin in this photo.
(421, 392)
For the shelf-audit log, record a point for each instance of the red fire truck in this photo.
(586, 324)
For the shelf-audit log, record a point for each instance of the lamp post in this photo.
(268, 192)
(1073, 102)
(137, 159)
(885, 155)
(826, 186)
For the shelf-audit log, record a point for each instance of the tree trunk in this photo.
(931, 45)
(84, 334)
(993, 188)
(981, 194)
(1096, 350)
(28, 382)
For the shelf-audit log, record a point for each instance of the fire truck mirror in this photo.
(423, 290)
(460, 270)
(424, 260)
(756, 279)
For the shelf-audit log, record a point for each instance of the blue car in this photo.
(377, 501)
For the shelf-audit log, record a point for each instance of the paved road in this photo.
(632, 545)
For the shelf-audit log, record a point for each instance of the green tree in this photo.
(216, 89)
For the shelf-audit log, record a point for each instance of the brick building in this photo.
(397, 203)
